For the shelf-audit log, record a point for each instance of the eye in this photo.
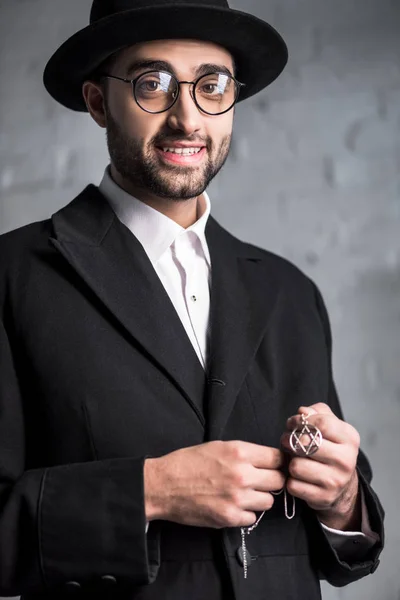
(149, 85)
(155, 84)
(209, 88)
(214, 86)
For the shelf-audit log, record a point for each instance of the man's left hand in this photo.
(327, 480)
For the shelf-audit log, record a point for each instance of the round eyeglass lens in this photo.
(156, 91)
(215, 93)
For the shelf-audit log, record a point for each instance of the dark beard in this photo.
(144, 171)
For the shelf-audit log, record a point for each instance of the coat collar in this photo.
(244, 291)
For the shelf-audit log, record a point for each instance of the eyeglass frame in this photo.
(133, 82)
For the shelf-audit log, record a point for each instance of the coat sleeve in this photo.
(326, 559)
(66, 526)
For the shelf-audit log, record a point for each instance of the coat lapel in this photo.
(112, 262)
(244, 292)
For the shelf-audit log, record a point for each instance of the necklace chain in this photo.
(247, 530)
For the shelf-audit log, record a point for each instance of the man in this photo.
(161, 381)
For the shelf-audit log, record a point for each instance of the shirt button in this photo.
(193, 298)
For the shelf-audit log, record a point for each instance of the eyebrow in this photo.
(163, 65)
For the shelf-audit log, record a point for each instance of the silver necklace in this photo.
(243, 554)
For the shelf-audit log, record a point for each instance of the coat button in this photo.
(239, 557)
(215, 381)
(109, 580)
(72, 586)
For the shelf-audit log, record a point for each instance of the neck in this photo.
(183, 212)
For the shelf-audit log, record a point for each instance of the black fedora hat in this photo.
(259, 51)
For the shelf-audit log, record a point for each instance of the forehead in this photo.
(184, 55)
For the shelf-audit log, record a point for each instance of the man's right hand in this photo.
(217, 484)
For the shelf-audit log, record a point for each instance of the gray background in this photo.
(313, 175)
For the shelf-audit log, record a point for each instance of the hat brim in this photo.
(259, 51)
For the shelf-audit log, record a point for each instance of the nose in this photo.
(184, 115)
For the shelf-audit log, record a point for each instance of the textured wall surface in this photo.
(314, 175)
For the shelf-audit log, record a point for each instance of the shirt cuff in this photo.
(353, 546)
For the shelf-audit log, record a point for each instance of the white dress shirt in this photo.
(179, 256)
(181, 259)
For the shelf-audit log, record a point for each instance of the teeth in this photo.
(186, 151)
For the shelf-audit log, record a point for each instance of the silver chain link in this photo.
(247, 530)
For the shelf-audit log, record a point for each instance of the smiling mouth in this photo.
(182, 151)
(182, 156)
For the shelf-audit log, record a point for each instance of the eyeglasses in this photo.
(157, 91)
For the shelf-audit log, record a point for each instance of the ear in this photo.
(93, 93)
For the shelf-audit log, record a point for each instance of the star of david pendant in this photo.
(297, 444)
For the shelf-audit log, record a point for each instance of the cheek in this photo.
(221, 129)
(138, 124)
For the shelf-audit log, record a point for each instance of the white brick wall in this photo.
(313, 175)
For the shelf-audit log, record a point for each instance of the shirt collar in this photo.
(154, 230)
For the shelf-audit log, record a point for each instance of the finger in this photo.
(262, 457)
(314, 409)
(310, 493)
(266, 480)
(257, 501)
(328, 453)
(318, 408)
(330, 426)
(307, 411)
(246, 519)
(326, 477)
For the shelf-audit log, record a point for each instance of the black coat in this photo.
(97, 373)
